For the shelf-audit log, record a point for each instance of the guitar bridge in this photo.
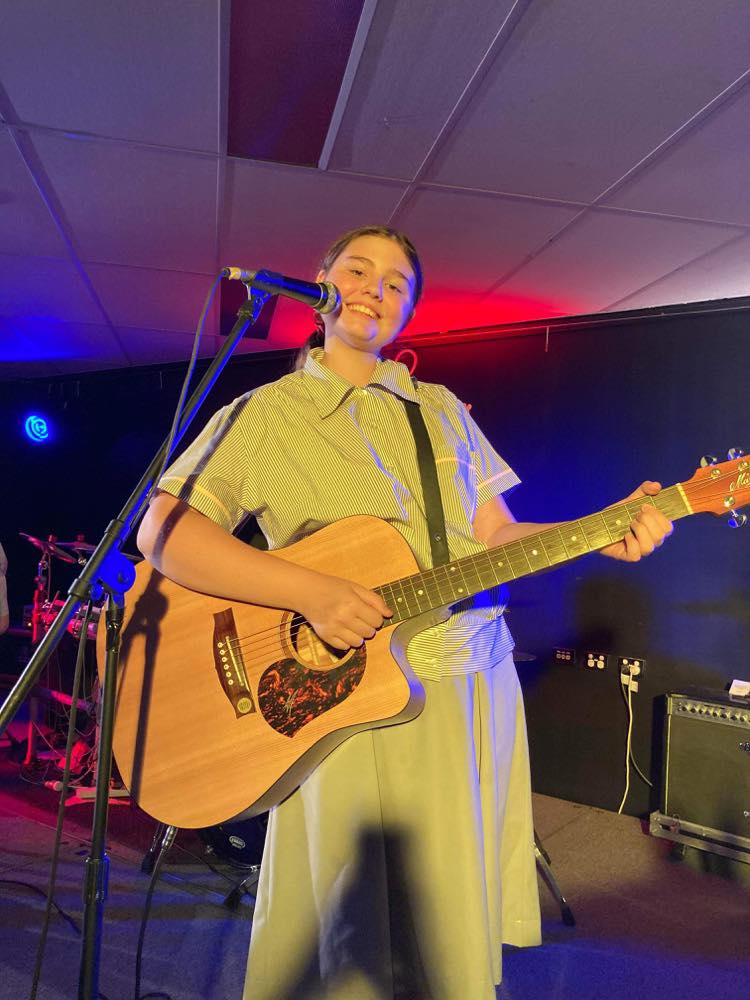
(230, 665)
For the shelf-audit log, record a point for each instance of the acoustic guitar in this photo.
(223, 708)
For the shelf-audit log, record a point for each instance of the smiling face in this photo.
(377, 285)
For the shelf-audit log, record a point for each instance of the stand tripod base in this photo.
(544, 865)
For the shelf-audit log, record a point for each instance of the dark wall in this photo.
(582, 423)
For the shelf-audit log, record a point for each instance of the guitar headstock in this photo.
(720, 487)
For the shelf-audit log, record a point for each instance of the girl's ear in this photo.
(320, 276)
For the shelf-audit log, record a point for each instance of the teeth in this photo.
(364, 310)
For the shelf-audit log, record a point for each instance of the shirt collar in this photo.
(328, 390)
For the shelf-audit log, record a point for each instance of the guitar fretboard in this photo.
(455, 581)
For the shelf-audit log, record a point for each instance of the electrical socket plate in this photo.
(562, 654)
(631, 669)
(596, 660)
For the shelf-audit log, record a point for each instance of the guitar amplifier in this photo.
(705, 791)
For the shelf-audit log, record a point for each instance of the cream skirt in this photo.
(406, 859)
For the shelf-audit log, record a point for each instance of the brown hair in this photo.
(317, 337)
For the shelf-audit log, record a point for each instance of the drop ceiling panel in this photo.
(706, 175)
(283, 218)
(25, 224)
(722, 274)
(132, 205)
(584, 89)
(153, 300)
(608, 255)
(467, 241)
(136, 70)
(43, 288)
(417, 60)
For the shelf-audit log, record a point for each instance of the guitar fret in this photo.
(462, 578)
(533, 549)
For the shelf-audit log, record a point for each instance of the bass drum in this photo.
(239, 842)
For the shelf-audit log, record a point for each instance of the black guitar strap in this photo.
(430, 487)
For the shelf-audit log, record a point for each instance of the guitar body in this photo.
(223, 708)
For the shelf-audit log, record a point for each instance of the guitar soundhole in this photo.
(308, 648)
(313, 679)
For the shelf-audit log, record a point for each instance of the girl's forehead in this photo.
(381, 251)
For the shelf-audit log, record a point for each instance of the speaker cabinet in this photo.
(705, 793)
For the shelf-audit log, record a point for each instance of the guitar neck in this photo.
(462, 578)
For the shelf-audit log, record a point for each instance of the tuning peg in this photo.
(708, 460)
(735, 453)
(736, 519)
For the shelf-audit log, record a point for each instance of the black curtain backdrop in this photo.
(583, 418)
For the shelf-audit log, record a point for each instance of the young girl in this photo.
(406, 859)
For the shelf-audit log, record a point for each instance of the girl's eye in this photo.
(356, 270)
(397, 288)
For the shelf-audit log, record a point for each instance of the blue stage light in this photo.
(37, 429)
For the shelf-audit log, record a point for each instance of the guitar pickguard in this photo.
(290, 695)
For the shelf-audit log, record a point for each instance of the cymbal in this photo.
(86, 548)
(49, 547)
(78, 546)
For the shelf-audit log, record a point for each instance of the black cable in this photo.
(43, 894)
(186, 383)
(61, 807)
(166, 844)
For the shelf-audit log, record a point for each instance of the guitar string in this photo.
(432, 582)
(432, 589)
(669, 499)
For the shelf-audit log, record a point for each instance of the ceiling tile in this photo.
(721, 274)
(42, 288)
(467, 241)
(705, 175)
(584, 89)
(283, 218)
(608, 255)
(417, 60)
(128, 205)
(153, 300)
(136, 70)
(26, 226)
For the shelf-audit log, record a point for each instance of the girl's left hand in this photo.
(648, 529)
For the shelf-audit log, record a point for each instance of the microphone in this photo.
(321, 295)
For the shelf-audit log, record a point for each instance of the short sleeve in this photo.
(218, 473)
(494, 475)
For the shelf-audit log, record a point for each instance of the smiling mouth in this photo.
(362, 310)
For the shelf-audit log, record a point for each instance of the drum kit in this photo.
(43, 611)
(240, 843)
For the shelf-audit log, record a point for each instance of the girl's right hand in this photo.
(343, 613)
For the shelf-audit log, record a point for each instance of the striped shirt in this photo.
(311, 448)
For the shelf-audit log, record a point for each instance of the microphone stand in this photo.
(108, 571)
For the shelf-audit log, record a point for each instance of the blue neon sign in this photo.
(36, 428)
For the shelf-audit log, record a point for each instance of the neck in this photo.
(355, 366)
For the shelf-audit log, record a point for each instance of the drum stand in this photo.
(164, 838)
(543, 863)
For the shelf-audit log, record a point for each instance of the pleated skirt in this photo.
(402, 864)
